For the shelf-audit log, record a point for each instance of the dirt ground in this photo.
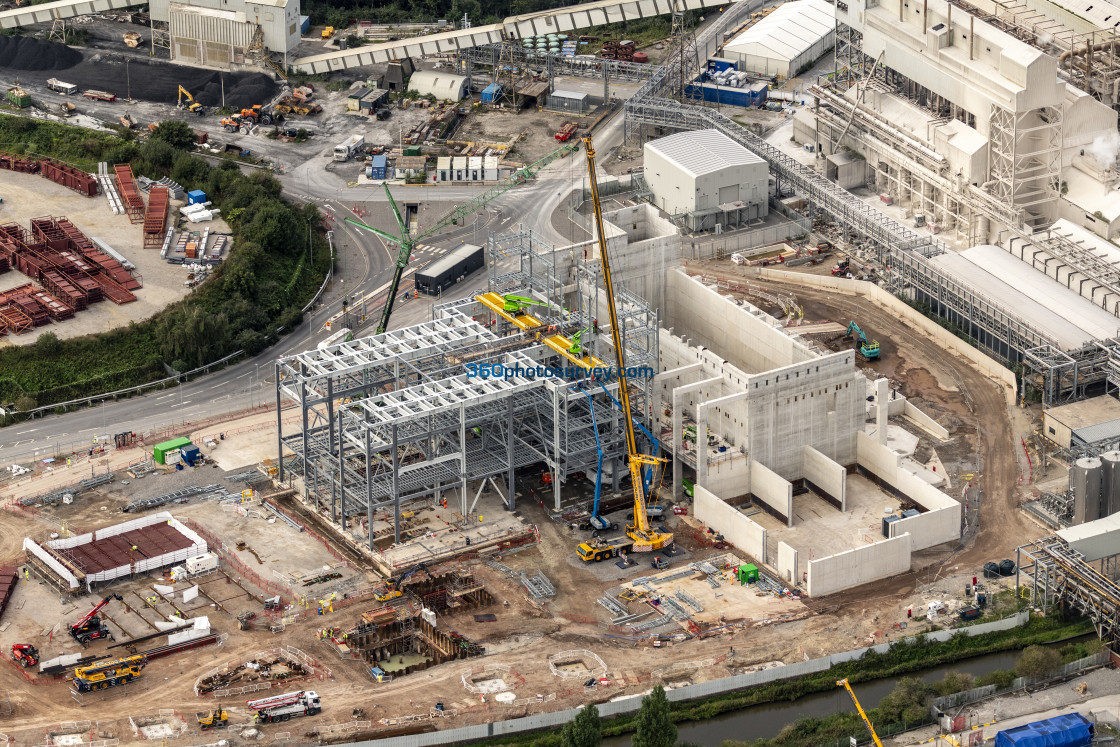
(957, 396)
(28, 196)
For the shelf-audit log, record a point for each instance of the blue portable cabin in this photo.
(759, 93)
(1067, 730)
(491, 93)
(196, 197)
(719, 64)
(304, 25)
(378, 167)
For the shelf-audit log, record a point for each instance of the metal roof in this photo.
(701, 152)
(439, 84)
(1094, 539)
(1013, 285)
(449, 260)
(1104, 15)
(1088, 412)
(577, 95)
(1091, 434)
(788, 31)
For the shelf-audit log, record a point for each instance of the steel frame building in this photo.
(399, 417)
(1058, 574)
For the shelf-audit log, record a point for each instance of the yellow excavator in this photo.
(192, 106)
(862, 714)
(645, 538)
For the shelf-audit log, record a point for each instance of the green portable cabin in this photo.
(748, 574)
(159, 451)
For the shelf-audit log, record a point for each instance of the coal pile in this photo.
(139, 79)
(26, 53)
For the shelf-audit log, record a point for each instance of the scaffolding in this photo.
(423, 412)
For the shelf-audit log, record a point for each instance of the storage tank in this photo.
(1085, 482)
(1110, 483)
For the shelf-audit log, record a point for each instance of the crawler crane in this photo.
(643, 536)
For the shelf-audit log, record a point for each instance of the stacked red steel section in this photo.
(113, 552)
(155, 221)
(133, 202)
(74, 272)
(9, 577)
(57, 172)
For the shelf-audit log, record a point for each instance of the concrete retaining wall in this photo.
(787, 563)
(862, 565)
(736, 528)
(925, 421)
(940, 520)
(770, 488)
(909, 316)
(743, 334)
(826, 476)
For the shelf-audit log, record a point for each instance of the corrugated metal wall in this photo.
(209, 40)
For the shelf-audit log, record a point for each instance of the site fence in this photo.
(688, 692)
(947, 703)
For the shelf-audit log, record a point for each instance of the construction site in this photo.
(796, 333)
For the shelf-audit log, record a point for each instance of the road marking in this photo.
(29, 430)
(24, 441)
(164, 397)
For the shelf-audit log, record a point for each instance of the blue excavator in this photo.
(869, 350)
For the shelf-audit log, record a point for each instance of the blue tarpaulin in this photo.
(1067, 730)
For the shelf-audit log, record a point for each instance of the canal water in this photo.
(766, 720)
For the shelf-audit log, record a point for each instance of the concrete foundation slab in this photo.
(819, 529)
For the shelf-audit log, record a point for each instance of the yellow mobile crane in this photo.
(863, 715)
(645, 538)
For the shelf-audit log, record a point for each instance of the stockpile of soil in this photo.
(26, 53)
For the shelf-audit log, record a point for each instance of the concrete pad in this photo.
(158, 731)
(820, 530)
(899, 440)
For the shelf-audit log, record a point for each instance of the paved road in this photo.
(364, 264)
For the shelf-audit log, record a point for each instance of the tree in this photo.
(175, 133)
(655, 725)
(1037, 661)
(584, 730)
(48, 344)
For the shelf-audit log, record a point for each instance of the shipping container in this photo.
(377, 167)
(412, 150)
(450, 269)
(1066, 730)
(18, 98)
(159, 451)
(491, 93)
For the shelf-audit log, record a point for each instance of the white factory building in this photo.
(704, 173)
(444, 86)
(787, 41)
(964, 124)
(224, 34)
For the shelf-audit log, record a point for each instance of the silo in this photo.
(1110, 483)
(1085, 482)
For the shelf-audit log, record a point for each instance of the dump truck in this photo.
(283, 707)
(66, 108)
(132, 39)
(349, 149)
(58, 86)
(109, 673)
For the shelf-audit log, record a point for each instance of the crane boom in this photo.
(406, 242)
(862, 714)
(645, 538)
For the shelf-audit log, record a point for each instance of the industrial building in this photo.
(1085, 423)
(444, 86)
(708, 177)
(226, 34)
(787, 41)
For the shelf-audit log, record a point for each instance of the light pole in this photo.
(256, 380)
